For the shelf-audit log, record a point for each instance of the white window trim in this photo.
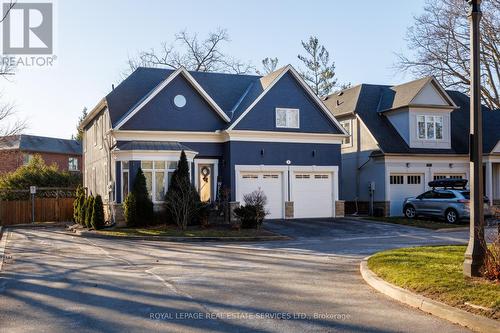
(69, 164)
(215, 163)
(350, 136)
(425, 127)
(122, 171)
(287, 125)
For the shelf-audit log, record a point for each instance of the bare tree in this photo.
(8, 125)
(440, 40)
(194, 54)
(269, 65)
(319, 72)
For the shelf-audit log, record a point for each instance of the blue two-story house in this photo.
(239, 132)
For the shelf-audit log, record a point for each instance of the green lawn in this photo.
(436, 272)
(172, 231)
(428, 224)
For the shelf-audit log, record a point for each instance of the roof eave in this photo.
(98, 108)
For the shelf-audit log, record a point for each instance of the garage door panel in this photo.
(402, 186)
(312, 195)
(271, 183)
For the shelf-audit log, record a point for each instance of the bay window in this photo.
(158, 175)
(430, 127)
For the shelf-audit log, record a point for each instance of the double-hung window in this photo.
(347, 125)
(430, 127)
(73, 164)
(158, 175)
(287, 118)
(125, 173)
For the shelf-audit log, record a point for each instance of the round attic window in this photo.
(180, 101)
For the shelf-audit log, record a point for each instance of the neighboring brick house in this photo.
(17, 150)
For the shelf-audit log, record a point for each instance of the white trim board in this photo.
(215, 163)
(233, 135)
(289, 68)
(286, 137)
(165, 83)
(153, 155)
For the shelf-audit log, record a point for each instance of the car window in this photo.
(446, 195)
(466, 194)
(428, 195)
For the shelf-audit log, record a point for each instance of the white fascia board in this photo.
(289, 68)
(235, 135)
(176, 136)
(165, 83)
(288, 137)
(437, 158)
(441, 91)
(102, 104)
(156, 155)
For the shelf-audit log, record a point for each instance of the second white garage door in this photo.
(271, 183)
(403, 186)
(312, 194)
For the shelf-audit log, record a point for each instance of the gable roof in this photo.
(402, 95)
(266, 83)
(149, 96)
(41, 144)
(365, 100)
(224, 89)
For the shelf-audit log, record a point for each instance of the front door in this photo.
(205, 181)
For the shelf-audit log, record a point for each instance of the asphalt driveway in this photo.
(55, 282)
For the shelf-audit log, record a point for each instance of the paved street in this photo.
(55, 282)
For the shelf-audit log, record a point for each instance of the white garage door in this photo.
(403, 186)
(271, 183)
(312, 194)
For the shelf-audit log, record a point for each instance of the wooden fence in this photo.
(47, 209)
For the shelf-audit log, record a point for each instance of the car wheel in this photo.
(451, 216)
(410, 212)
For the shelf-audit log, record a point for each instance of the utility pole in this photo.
(475, 253)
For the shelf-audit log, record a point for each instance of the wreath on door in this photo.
(205, 172)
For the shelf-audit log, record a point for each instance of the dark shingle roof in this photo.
(225, 89)
(367, 100)
(32, 143)
(151, 145)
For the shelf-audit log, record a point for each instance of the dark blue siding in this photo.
(250, 153)
(133, 167)
(287, 93)
(161, 114)
(206, 149)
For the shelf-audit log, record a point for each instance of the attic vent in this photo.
(338, 103)
(340, 93)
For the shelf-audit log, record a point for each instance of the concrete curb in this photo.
(39, 225)
(474, 322)
(3, 243)
(88, 234)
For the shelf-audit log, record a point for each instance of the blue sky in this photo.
(94, 39)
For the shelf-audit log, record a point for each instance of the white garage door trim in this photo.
(287, 192)
(239, 169)
(326, 203)
(396, 208)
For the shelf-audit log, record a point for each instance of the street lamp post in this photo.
(474, 255)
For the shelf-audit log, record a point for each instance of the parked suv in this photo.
(444, 200)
